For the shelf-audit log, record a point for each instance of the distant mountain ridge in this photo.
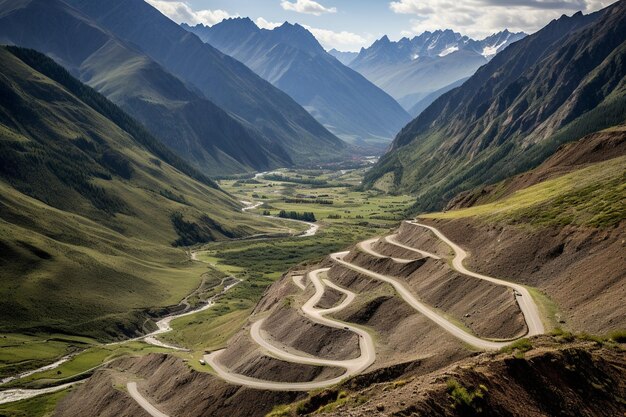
(410, 69)
(220, 78)
(344, 57)
(198, 130)
(292, 59)
(561, 83)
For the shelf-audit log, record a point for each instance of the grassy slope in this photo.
(73, 263)
(592, 196)
(257, 262)
(42, 406)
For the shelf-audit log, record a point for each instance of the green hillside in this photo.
(91, 206)
(593, 196)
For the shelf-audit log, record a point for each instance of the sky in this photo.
(348, 25)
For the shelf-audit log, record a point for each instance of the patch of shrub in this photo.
(305, 217)
(618, 336)
(171, 196)
(464, 401)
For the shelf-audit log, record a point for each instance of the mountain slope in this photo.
(575, 271)
(223, 80)
(91, 206)
(290, 58)
(411, 69)
(344, 57)
(563, 82)
(194, 127)
(423, 104)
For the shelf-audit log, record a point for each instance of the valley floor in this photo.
(257, 262)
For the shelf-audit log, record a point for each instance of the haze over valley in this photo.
(297, 207)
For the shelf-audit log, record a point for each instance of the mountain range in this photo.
(555, 86)
(222, 79)
(292, 59)
(411, 69)
(178, 112)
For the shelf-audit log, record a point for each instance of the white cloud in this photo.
(181, 12)
(307, 6)
(343, 41)
(479, 18)
(264, 24)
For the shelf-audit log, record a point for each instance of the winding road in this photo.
(393, 240)
(298, 280)
(522, 295)
(143, 403)
(431, 314)
(366, 246)
(317, 315)
(367, 348)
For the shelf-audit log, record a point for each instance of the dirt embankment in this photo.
(420, 238)
(173, 388)
(387, 249)
(288, 326)
(402, 334)
(331, 298)
(489, 310)
(582, 270)
(555, 378)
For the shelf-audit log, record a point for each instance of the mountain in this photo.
(411, 69)
(220, 78)
(290, 58)
(557, 230)
(92, 206)
(555, 86)
(198, 130)
(423, 104)
(344, 57)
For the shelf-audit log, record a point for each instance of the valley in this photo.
(257, 261)
(312, 208)
(325, 322)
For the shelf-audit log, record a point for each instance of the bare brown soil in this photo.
(489, 310)
(309, 337)
(330, 298)
(555, 378)
(420, 238)
(172, 387)
(244, 357)
(388, 249)
(582, 270)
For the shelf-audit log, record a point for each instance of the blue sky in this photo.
(352, 24)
